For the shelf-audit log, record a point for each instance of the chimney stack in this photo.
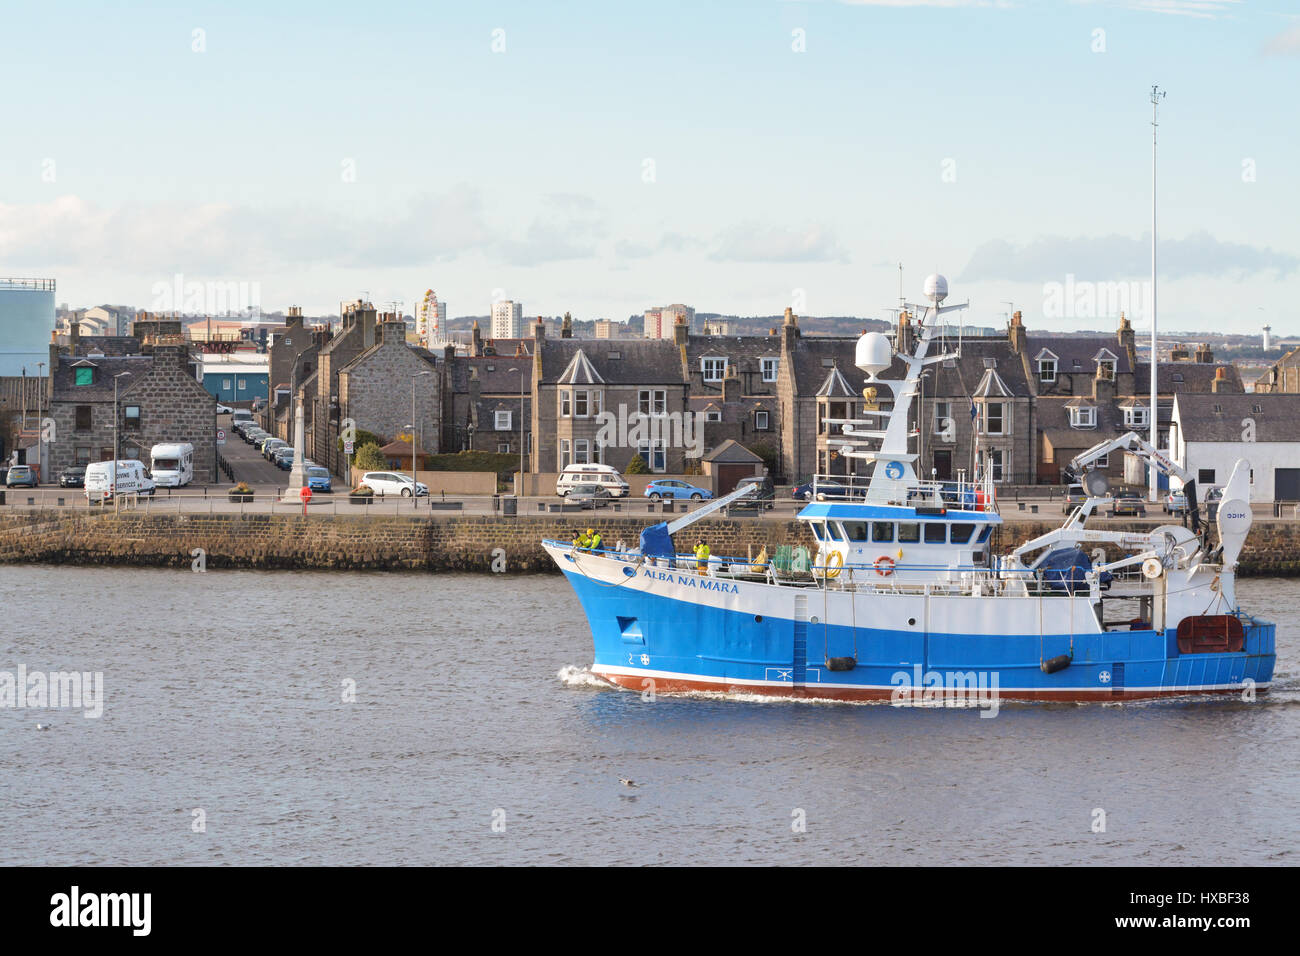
(1016, 334)
(1220, 380)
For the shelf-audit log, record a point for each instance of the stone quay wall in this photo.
(442, 543)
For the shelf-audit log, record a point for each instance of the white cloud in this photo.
(749, 242)
(1286, 43)
(1051, 258)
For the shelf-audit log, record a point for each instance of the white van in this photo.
(173, 464)
(604, 475)
(131, 478)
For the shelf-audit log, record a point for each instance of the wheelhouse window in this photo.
(909, 532)
(855, 530)
(882, 531)
(936, 532)
(961, 532)
(833, 531)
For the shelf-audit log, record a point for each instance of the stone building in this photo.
(483, 399)
(356, 333)
(378, 388)
(159, 397)
(291, 362)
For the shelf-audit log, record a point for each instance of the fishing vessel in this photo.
(897, 592)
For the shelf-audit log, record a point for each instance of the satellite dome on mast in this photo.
(873, 354)
(936, 288)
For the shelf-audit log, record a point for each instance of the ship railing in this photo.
(960, 494)
(965, 579)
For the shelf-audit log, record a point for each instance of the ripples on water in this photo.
(224, 691)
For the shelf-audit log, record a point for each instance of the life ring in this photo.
(884, 566)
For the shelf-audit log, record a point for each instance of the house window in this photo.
(564, 454)
(1106, 370)
(1102, 462)
(503, 448)
(580, 403)
(1085, 417)
(942, 418)
(565, 399)
(1178, 377)
(770, 367)
(581, 450)
(712, 415)
(83, 417)
(131, 416)
(83, 455)
(225, 384)
(997, 463)
(503, 421)
(1047, 370)
(1136, 416)
(995, 418)
(654, 455)
(715, 369)
(85, 375)
(652, 401)
(761, 421)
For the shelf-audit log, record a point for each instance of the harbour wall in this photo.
(442, 543)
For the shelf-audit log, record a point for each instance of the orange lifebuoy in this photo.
(884, 566)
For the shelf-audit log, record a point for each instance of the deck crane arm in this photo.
(657, 539)
(1134, 444)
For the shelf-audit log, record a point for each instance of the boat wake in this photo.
(573, 676)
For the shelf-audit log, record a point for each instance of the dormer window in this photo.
(761, 421)
(1047, 370)
(712, 414)
(85, 375)
(1106, 370)
(714, 369)
(1136, 416)
(770, 367)
(1083, 417)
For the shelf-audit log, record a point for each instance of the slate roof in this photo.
(494, 375)
(835, 386)
(65, 389)
(640, 362)
(961, 377)
(1278, 418)
(732, 451)
(14, 388)
(992, 386)
(1195, 377)
(108, 344)
(1077, 353)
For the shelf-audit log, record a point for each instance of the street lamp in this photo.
(40, 424)
(521, 372)
(414, 480)
(116, 441)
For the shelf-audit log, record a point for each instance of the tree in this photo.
(637, 466)
(370, 458)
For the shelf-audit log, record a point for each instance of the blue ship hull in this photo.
(712, 639)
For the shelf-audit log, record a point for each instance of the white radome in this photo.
(936, 288)
(874, 354)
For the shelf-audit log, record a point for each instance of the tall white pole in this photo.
(1152, 474)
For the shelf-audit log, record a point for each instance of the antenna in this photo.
(1153, 478)
(902, 304)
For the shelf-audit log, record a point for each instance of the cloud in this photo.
(1286, 43)
(568, 228)
(1201, 9)
(749, 242)
(1114, 257)
(950, 4)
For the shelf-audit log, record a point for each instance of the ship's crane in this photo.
(1134, 444)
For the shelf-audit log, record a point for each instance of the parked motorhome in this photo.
(172, 464)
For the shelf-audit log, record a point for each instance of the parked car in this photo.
(319, 479)
(766, 494)
(589, 496)
(74, 476)
(283, 457)
(1175, 503)
(270, 446)
(1074, 496)
(390, 483)
(104, 479)
(21, 476)
(592, 473)
(826, 491)
(1127, 503)
(224, 409)
(672, 488)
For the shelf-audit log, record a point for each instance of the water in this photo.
(223, 691)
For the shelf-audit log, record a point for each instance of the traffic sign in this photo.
(347, 447)
(221, 436)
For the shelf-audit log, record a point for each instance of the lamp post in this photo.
(116, 441)
(40, 423)
(520, 484)
(414, 479)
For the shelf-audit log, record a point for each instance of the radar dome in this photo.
(936, 288)
(874, 353)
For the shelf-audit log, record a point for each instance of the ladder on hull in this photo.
(800, 639)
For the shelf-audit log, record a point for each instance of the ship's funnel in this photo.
(874, 353)
(1234, 516)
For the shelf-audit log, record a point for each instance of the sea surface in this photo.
(477, 736)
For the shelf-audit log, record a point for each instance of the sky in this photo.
(604, 158)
